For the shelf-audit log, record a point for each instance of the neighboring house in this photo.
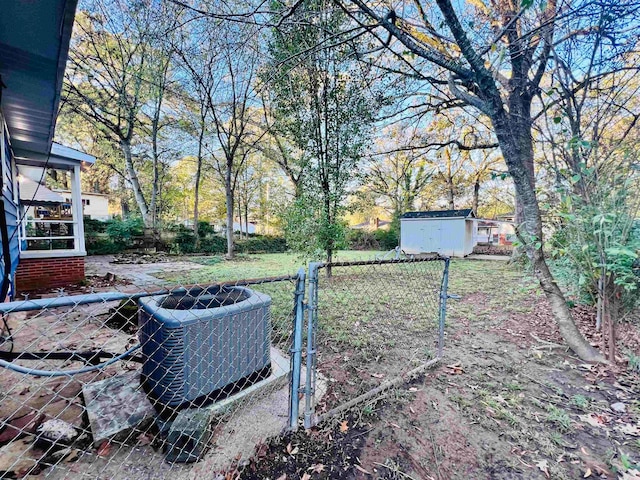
(485, 231)
(498, 231)
(42, 234)
(447, 232)
(237, 227)
(372, 224)
(94, 205)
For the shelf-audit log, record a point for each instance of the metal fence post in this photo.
(310, 383)
(296, 351)
(443, 306)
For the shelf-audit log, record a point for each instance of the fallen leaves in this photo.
(629, 429)
(104, 449)
(317, 468)
(344, 426)
(360, 469)
(455, 369)
(543, 466)
(291, 450)
(595, 419)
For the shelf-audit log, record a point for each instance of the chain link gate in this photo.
(371, 326)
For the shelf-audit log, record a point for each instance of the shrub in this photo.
(92, 226)
(205, 229)
(185, 241)
(261, 244)
(102, 246)
(122, 231)
(213, 244)
(362, 240)
(388, 239)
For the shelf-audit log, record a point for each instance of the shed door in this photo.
(432, 236)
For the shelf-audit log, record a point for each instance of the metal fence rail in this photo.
(102, 385)
(372, 325)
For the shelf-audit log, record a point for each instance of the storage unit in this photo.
(446, 232)
(204, 343)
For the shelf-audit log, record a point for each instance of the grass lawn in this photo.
(217, 269)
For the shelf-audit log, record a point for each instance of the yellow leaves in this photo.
(479, 5)
(429, 40)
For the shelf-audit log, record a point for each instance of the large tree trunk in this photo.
(147, 218)
(514, 138)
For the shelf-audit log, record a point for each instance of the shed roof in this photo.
(462, 213)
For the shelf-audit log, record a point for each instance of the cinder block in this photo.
(188, 436)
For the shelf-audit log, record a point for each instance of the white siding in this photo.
(446, 236)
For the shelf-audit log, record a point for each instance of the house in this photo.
(372, 224)
(42, 234)
(498, 231)
(238, 227)
(447, 232)
(94, 205)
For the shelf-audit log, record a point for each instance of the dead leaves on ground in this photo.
(317, 468)
(455, 369)
(291, 450)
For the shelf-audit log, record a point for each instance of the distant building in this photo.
(372, 224)
(237, 227)
(94, 205)
(446, 232)
(498, 231)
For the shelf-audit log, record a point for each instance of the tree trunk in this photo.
(132, 177)
(514, 138)
(230, 204)
(476, 196)
(246, 218)
(239, 206)
(196, 192)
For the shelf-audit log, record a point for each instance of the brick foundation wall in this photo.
(36, 273)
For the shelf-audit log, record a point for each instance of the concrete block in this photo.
(188, 436)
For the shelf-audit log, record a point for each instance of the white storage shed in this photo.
(447, 232)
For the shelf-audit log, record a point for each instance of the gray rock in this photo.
(619, 407)
(57, 432)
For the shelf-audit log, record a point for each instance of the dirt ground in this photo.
(508, 402)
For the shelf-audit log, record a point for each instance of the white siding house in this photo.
(447, 232)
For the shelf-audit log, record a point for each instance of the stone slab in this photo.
(116, 405)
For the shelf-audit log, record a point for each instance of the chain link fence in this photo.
(157, 382)
(373, 325)
(162, 383)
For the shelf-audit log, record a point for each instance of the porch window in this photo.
(50, 222)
